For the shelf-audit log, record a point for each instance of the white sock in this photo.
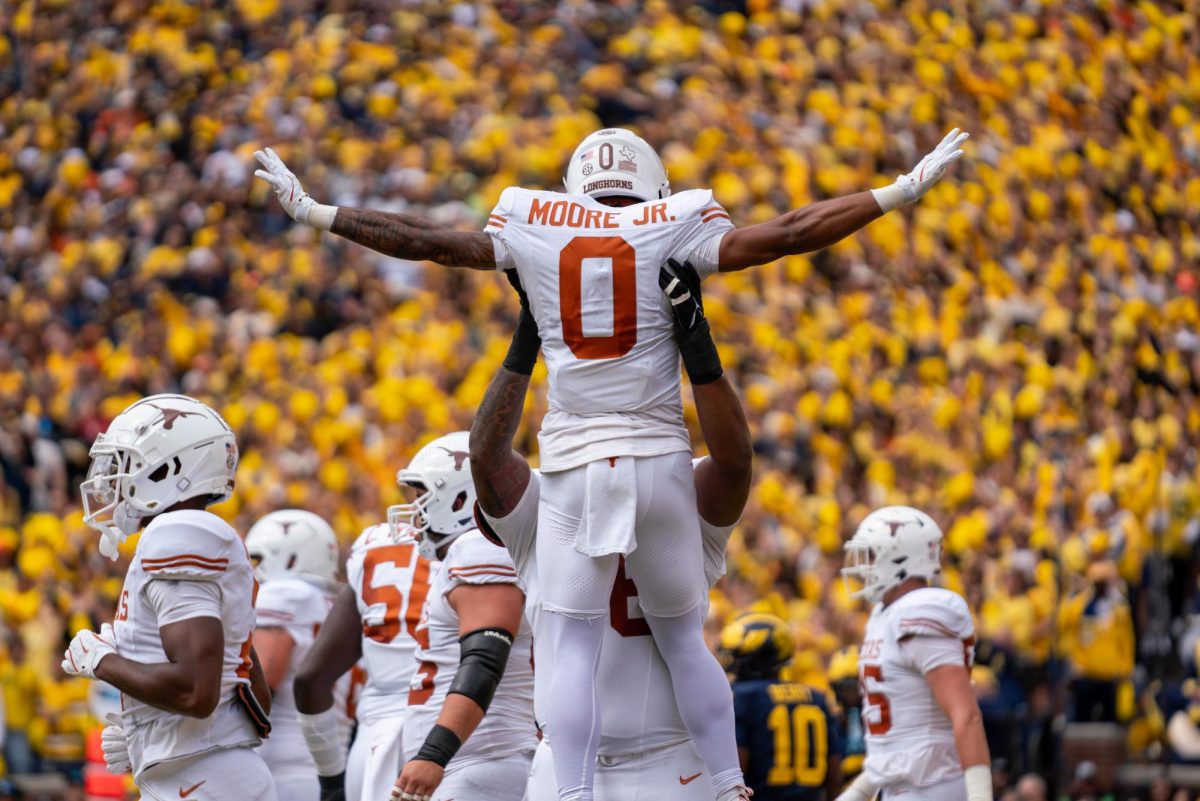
(702, 694)
(573, 714)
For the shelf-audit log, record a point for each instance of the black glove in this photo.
(526, 342)
(681, 284)
(333, 788)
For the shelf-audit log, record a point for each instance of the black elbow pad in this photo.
(483, 655)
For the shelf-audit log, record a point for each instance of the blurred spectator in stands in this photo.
(1031, 787)
(1097, 630)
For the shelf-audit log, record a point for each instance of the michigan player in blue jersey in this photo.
(843, 679)
(787, 734)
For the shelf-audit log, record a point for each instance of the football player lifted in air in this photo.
(376, 619)
(194, 698)
(474, 647)
(925, 736)
(295, 556)
(787, 733)
(645, 751)
(615, 454)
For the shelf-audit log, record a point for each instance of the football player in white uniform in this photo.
(375, 619)
(645, 751)
(925, 738)
(193, 696)
(474, 676)
(295, 554)
(615, 453)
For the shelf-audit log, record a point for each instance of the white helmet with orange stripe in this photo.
(616, 161)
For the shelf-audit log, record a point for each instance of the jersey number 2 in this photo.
(624, 288)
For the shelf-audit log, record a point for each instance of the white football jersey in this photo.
(910, 742)
(187, 545)
(508, 727)
(391, 582)
(299, 608)
(591, 273)
(631, 667)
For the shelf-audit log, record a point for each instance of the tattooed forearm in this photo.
(500, 474)
(407, 237)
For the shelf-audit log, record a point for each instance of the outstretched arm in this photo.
(822, 224)
(399, 235)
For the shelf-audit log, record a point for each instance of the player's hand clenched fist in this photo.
(417, 781)
(909, 188)
(114, 746)
(86, 650)
(295, 201)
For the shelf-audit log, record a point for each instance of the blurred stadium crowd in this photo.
(1019, 355)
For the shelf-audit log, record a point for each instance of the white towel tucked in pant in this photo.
(609, 508)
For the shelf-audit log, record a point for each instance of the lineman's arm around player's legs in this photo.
(489, 617)
(819, 225)
(723, 479)
(337, 649)
(951, 686)
(399, 235)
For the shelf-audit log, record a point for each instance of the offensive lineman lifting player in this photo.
(616, 473)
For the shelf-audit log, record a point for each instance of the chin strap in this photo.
(111, 539)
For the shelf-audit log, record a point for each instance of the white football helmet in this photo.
(293, 542)
(446, 506)
(161, 450)
(890, 545)
(615, 161)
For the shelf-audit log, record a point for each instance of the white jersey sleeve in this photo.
(934, 612)
(495, 228)
(705, 223)
(475, 560)
(187, 549)
(173, 601)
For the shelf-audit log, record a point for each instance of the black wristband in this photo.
(700, 357)
(523, 350)
(440, 746)
(333, 788)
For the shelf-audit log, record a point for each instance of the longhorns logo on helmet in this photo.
(892, 545)
(169, 415)
(446, 504)
(459, 457)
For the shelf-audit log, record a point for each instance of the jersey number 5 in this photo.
(623, 260)
(388, 595)
(875, 700)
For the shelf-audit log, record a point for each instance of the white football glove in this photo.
(909, 188)
(114, 745)
(295, 201)
(87, 649)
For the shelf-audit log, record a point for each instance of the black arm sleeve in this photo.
(484, 653)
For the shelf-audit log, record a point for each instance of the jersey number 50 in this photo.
(623, 259)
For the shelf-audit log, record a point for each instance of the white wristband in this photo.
(889, 197)
(320, 216)
(321, 734)
(978, 779)
(859, 790)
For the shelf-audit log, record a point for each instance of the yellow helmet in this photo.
(755, 646)
(844, 664)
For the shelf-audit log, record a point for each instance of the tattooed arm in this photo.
(399, 235)
(500, 473)
(407, 237)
